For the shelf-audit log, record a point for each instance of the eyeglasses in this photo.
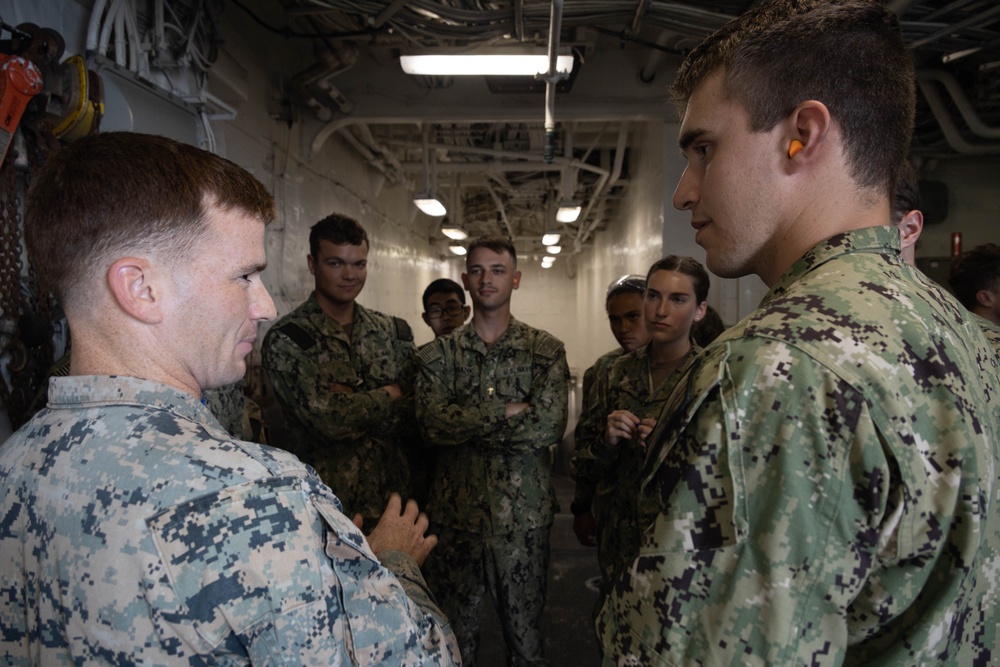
(451, 310)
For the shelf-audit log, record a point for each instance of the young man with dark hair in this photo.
(492, 400)
(444, 306)
(827, 467)
(133, 528)
(975, 278)
(339, 371)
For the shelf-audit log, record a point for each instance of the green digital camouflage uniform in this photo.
(828, 481)
(353, 440)
(589, 426)
(990, 330)
(621, 511)
(491, 499)
(135, 531)
(228, 404)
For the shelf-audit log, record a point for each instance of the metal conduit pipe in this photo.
(551, 77)
(557, 164)
(608, 183)
(965, 107)
(951, 133)
(501, 209)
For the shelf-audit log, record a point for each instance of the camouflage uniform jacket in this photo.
(589, 427)
(493, 474)
(828, 481)
(990, 330)
(353, 440)
(620, 510)
(135, 530)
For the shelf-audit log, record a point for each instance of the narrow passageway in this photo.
(567, 626)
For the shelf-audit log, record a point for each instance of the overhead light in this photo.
(548, 261)
(458, 249)
(568, 212)
(429, 204)
(550, 239)
(511, 61)
(553, 249)
(453, 231)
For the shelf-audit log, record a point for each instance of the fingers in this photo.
(394, 507)
(358, 521)
(621, 425)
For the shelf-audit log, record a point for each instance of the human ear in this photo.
(134, 284)
(808, 125)
(910, 228)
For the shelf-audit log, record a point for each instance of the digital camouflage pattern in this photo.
(827, 472)
(354, 440)
(589, 426)
(493, 475)
(228, 405)
(990, 330)
(135, 530)
(513, 568)
(622, 511)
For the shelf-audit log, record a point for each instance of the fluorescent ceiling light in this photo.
(493, 62)
(429, 204)
(454, 232)
(568, 212)
(550, 239)
(458, 249)
(553, 249)
(548, 261)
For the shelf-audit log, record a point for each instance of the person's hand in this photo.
(402, 530)
(622, 425)
(585, 528)
(515, 409)
(394, 390)
(341, 388)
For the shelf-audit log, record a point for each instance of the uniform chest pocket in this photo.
(513, 382)
(377, 613)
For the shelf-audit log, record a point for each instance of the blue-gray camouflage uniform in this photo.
(491, 500)
(620, 509)
(135, 530)
(353, 440)
(828, 482)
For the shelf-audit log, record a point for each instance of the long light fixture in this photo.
(568, 211)
(553, 249)
(429, 204)
(550, 239)
(498, 61)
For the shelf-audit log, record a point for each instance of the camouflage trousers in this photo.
(512, 567)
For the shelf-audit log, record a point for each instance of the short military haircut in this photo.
(627, 284)
(977, 269)
(907, 195)
(337, 229)
(689, 266)
(847, 54)
(496, 243)
(118, 193)
(443, 286)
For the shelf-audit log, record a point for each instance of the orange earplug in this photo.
(794, 147)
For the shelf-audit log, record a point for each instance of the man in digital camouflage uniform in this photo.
(975, 278)
(827, 469)
(624, 307)
(133, 528)
(343, 376)
(491, 400)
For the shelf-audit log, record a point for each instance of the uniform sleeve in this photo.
(443, 421)
(774, 488)
(594, 459)
(302, 381)
(579, 468)
(274, 570)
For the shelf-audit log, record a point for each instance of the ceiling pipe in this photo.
(605, 185)
(982, 17)
(965, 107)
(501, 209)
(551, 77)
(951, 132)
